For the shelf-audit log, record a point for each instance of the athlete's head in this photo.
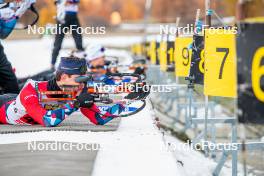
(69, 69)
(96, 58)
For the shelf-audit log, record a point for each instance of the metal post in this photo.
(243, 148)
(176, 35)
(208, 15)
(197, 15)
(177, 78)
(240, 10)
(190, 89)
(213, 131)
(234, 137)
(234, 152)
(244, 156)
(148, 4)
(208, 24)
(205, 124)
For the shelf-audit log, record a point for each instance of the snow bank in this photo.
(137, 150)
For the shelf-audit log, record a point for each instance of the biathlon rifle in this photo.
(104, 94)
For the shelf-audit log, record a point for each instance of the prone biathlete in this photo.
(27, 109)
(95, 57)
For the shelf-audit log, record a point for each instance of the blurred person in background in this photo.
(9, 14)
(97, 63)
(95, 57)
(100, 66)
(67, 17)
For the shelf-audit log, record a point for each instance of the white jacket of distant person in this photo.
(17, 8)
(64, 6)
(10, 13)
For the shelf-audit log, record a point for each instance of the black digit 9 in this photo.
(185, 56)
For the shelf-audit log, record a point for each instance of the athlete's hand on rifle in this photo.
(85, 100)
(139, 70)
(140, 92)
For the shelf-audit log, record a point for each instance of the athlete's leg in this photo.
(77, 36)
(8, 80)
(42, 76)
(57, 44)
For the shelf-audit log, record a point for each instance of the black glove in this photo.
(139, 93)
(85, 100)
(139, 71)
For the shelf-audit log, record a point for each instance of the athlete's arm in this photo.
(98, 117)
(92, 112)
(51, 118)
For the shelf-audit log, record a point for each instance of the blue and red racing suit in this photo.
(26, 109)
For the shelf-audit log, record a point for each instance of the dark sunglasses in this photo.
(98, 67)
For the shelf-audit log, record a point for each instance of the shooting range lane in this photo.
(75, 122)
(16, 159)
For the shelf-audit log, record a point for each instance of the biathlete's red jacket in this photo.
(25, 109)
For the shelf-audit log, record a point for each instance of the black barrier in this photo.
(170, 56)
(250, 54)
(157, 53)
(147, 50)
(197, 63)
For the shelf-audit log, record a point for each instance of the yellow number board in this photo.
(153, 52)
(220, 63)
(163, 56)
(182, 56)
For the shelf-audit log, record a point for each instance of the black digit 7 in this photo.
(226, 51)
(185, 55)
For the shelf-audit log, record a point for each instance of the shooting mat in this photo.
(75, 122)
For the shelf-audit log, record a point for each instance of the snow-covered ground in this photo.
(136, 148)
